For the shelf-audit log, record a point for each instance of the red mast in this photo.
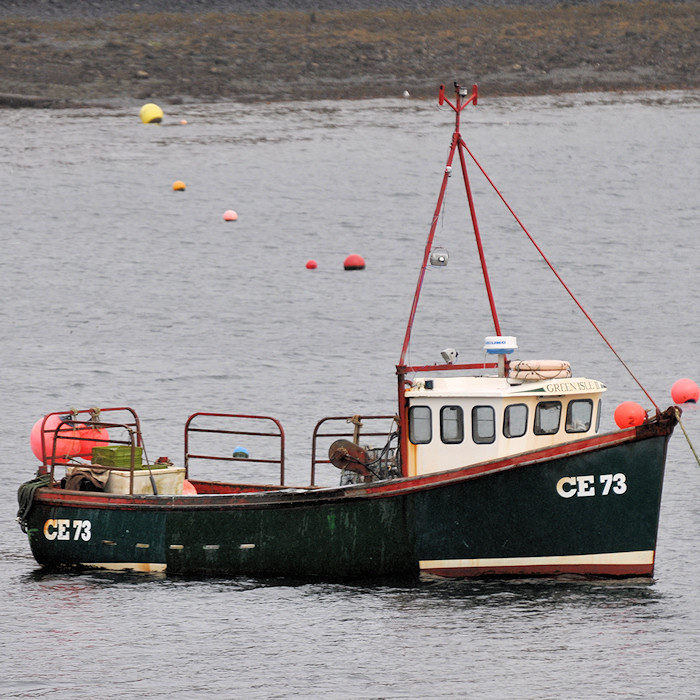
(458, 145)
(462, 99)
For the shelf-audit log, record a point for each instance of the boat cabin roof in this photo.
(500, 387)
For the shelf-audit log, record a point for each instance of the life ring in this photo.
(538, 370)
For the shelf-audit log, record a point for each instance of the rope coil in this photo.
(25, 497)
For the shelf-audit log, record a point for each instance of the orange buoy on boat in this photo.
(629, 414)
(354, 262)
(66, 442)
(685, 391)
(90, 437)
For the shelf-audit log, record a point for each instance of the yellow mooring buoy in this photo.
(151, 114)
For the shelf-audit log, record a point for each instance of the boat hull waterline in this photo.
(589, 507)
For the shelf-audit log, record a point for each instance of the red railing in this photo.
(354, 433)
(277, 433)
(82, 427)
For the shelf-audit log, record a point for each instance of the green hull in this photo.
(591, 509)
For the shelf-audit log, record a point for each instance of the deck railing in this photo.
(354, 433)
(276, 432)
(76, 428)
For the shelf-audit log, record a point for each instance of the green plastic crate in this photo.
(117, 456)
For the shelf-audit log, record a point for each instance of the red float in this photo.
(65, 445)
(90, 437)
(72, 440)
(629, 414)
(311, 265)
(685, 391)
(354, 262)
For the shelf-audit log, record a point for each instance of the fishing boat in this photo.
(491, 468)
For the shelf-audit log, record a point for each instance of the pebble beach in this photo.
(73, 53)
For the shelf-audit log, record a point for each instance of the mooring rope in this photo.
(687, 437)
(25, 496)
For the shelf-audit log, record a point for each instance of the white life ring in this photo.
(538, 370)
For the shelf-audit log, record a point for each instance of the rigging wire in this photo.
(556, 274)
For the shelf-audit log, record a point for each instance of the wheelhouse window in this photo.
(597, 418)
(420, 430)
(515, 420)
(483, 424)
(579, 414)
(451, 424)
(547, 416)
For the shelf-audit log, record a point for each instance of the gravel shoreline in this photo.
(55, 9)
(82, 52)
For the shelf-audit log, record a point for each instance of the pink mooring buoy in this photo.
(230, 215)
(71, 440)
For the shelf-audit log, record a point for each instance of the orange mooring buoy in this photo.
(628, 414)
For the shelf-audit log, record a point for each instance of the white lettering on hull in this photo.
(65, 529)
(581, 486)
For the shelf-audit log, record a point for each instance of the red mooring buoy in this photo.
(685, 391)
(354, 262)
(311, 264)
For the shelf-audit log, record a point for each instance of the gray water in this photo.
(118, 291)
